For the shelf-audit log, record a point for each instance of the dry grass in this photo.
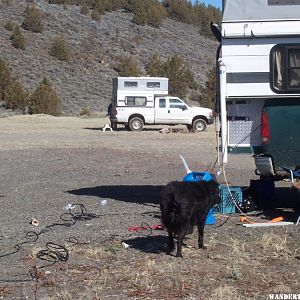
(247, 265)
(276, 245)
(225, 293)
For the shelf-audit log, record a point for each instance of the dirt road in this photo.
(48, 163)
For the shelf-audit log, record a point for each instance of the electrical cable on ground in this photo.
(53, 252)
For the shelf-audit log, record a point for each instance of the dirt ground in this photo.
(114, 179)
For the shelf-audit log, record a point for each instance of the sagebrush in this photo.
(12, 91)
(15, 96)
(127, 67)
(44, 100)
(33, 19)
(5, 77)
(60, 49)
(17, 39)
(180, 76)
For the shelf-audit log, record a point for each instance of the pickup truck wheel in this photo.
(136, 124)
(199, 125)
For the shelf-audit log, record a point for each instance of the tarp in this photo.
(259, 10)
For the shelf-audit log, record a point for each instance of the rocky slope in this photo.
(85, 82)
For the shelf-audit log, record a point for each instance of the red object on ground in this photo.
(145, 227)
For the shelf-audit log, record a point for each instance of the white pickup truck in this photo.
(166, 110)
(138, 101)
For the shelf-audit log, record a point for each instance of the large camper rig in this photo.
(259, 83)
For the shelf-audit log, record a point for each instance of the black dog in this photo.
(184, 205)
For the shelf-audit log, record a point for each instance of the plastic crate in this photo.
(227, 205)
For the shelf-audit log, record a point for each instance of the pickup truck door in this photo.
(179, 111)
(171, 111)
(162, 111)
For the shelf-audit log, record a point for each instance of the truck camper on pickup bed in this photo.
(259, 79)
(137, 101)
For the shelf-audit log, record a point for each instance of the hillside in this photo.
(85, 82)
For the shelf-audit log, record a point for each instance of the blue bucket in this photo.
(202, 176)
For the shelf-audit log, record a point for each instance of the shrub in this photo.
(56, 1)
(15, 96)
(84, 112)
(148, 12)
(60, 49)
(33, 19)
(117, 4)
(95, 15)
(181, 10)
(208, 92)
(180, 76)
(127, 67)
(17, 39)
(176, 72)
(100, 6)
(84, 8)
(5, 77)
(65, 4)
(7, 2)
(44, 100)
(197, 14)
(9, 25)
(190, 78)
(11, 90)
(154, 67)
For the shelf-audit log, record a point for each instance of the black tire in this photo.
(127, 126)
(199, 125)
(136, 124)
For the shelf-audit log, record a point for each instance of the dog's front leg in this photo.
(201, 225)
(171, 242)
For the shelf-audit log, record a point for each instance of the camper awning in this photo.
(260, 10)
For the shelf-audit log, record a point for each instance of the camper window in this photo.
(153, 85)
(294, 68)
(285, 68)
(136, 101)
(130, 84)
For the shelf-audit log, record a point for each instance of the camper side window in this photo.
(130, 84)
(285, 68)
(153, 84)
(136, 101)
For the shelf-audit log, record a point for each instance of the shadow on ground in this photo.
(149, 244)
(281, 202)
(284, 202)
(141, 194)
(121, 129)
